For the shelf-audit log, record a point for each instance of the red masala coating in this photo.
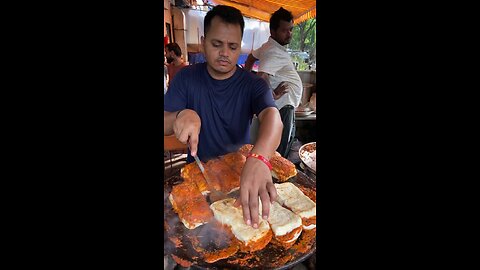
(190, 204)
(282, 168)
(221, 176)
(257, 245)
(182, 262)
(235, 161)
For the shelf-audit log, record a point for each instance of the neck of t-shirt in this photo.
(222, 79)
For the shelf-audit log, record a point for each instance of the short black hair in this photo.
(228, 14)
(280, 15)
(175, 48)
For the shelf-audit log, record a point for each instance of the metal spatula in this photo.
(215, 195)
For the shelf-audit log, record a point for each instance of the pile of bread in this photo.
(292, 212)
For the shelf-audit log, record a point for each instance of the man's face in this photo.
(221, 46)
(169, 56)
(283, 34)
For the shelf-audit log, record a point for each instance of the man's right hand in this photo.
(187, 128)
(281, 90)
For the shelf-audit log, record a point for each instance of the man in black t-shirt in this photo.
(210, 106)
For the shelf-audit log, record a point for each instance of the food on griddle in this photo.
(215, 242)
(235, 160)
(286, 225)
(224, 234)
(213, 256)
(251, 239)
(221, 176)
(224, 172)
(190, 205)
(246, 148)
(191, 173)
(294, 199)
(282, 168)
(182, 262)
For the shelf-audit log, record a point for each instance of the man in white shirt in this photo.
(276, 67)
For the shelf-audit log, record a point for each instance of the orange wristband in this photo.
(262, 158)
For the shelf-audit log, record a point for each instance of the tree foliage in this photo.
(304, 36)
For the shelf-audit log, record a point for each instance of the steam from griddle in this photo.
(213, 237)
(206, 238)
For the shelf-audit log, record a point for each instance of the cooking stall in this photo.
(213, 245)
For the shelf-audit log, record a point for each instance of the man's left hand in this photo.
(255, 181)
(281, 90)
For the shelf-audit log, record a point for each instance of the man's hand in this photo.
(281, 90)
(186, 128)
(255, 181)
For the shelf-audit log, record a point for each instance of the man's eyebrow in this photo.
(219, 41)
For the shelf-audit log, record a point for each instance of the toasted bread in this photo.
(282, 168)
(251, 239)
(286, 225)
(190, 205)
(221, 176)
(191, 173)
(235, 161)
(294, 199)
(246, 148)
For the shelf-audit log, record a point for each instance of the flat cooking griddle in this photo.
(178, 239)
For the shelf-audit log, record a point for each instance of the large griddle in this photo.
(268, 256)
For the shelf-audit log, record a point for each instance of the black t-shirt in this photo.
(225, 107)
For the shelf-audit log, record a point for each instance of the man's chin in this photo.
(224, 69)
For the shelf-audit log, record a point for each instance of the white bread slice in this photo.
(286, 225)
(293, 198)
(282, 220)
(294, 238)
(252, 239)
(310, 227)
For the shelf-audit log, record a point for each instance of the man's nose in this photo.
(223, 51)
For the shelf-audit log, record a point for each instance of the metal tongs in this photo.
(215, 195)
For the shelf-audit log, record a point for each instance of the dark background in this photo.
(82, 134)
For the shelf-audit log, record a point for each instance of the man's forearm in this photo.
(249, 62)
(270, 132)
(168, 119)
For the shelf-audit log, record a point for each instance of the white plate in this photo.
(300, 113)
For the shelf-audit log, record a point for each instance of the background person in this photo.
(173, 53)
(276, 67)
